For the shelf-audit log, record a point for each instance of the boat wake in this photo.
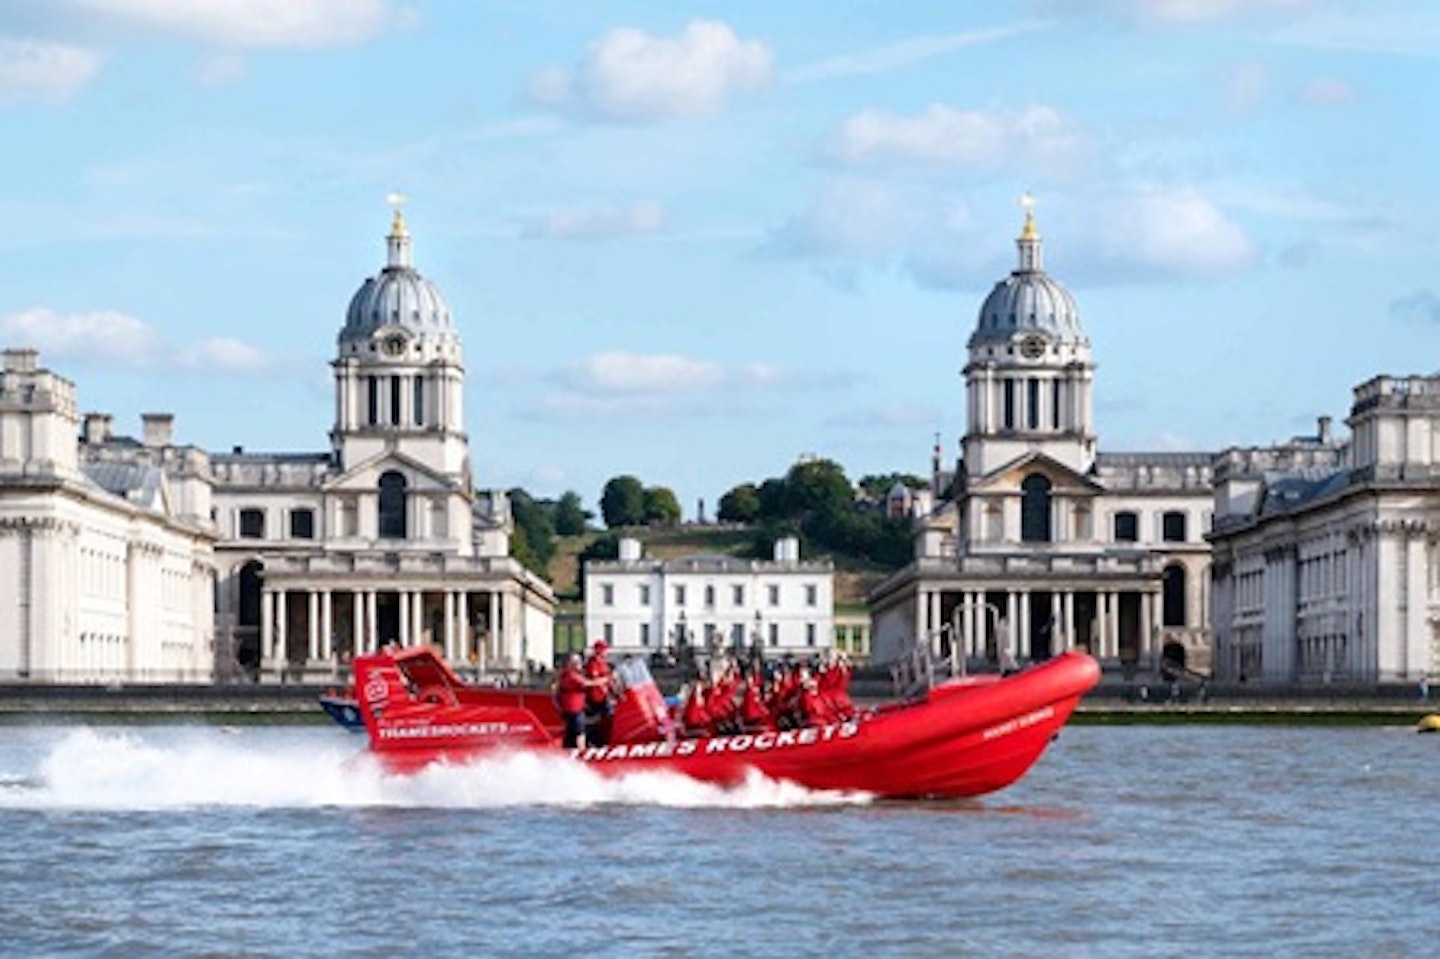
(181, 769)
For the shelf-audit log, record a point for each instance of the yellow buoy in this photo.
(1429, 724)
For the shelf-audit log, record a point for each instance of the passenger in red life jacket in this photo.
(754, 717)
(599, 704)
(570, 689)
(814, 710)
(696, 716)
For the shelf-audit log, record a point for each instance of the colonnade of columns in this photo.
(474, 627)
(988, 623)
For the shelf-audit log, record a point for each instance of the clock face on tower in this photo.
(1032, 347)
(393, 345)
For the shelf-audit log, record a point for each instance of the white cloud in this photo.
(571, 223)
(1180, 233)
(619, 372)
(112, 336)
(896, 56)
(223, 354)
(943, 136)
(630, 75)
(49, 71)
(850, 217)
(256, 24)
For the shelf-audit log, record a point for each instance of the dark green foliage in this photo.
(605, 546)
(570, 518)
(533, 542)
(623, 502)
(662, 508)
(740, 505)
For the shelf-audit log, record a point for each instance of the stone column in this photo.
(327, 625)
(404, 626)
(312, 624)
(372, 620)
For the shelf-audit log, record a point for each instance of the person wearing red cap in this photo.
(600, 681)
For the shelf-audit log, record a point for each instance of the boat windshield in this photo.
(633, 674)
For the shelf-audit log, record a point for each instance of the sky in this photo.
(697, 242)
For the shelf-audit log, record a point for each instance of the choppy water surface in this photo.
(1137, 841)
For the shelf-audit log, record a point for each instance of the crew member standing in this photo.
(600, 680)
(570, 689)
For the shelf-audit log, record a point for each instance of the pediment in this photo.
(365, 475)
(1008, 478)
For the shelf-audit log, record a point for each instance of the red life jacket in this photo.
(597, 667)
(570, 691)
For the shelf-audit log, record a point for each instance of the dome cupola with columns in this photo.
(399, 372)
(1029, 370)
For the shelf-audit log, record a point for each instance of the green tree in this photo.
(879, 485)
(570, 517)
(740, 505)
(661, 506)
(533, 541)
(623, 502)
(817, 487)
(772, 500)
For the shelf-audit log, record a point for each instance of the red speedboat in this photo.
(963, 737)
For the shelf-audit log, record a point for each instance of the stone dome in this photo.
(398, 296)
(1029, 300)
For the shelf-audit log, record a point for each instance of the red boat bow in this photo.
(965, 737)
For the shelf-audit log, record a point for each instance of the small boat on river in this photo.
(965, 736)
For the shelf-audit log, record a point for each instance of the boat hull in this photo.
(963, 739)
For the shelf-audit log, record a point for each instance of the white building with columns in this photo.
(1038, 541)
(106, 557)
(1327, 554)
(643, 606)
(382, 537)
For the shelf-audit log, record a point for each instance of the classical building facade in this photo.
(1038, 541)
(106, 554)
(1327, 554)
(381, 538)
(711, 604)
(143, 559)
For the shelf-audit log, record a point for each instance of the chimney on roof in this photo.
(158, 429)
(97, 428)
(1324, 429)
(20, 359)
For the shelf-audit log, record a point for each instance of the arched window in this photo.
(392, 506)
(1035, 509)
(1172, 596)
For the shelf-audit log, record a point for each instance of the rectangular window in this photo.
(679, 595)
(644, 594)
(774, 597)
(395, 401)
(737, 635)
(1127, 528)
(737, 594)
(810, 634)
(774, 634)
(418, 413)
(1172, 527)
(644, 634)
(302, 524)
(1032, 401)
(811, 594)
(1055, 404)
(607, 594)
(609, 631)
(709, 595)
(252, 524)
(1009, 404)
(372, 389)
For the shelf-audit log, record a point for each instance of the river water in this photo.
(1129, 841)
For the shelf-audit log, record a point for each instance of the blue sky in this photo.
(695, 242)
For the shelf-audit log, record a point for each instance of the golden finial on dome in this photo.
(397, 223)
(1029, 232)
